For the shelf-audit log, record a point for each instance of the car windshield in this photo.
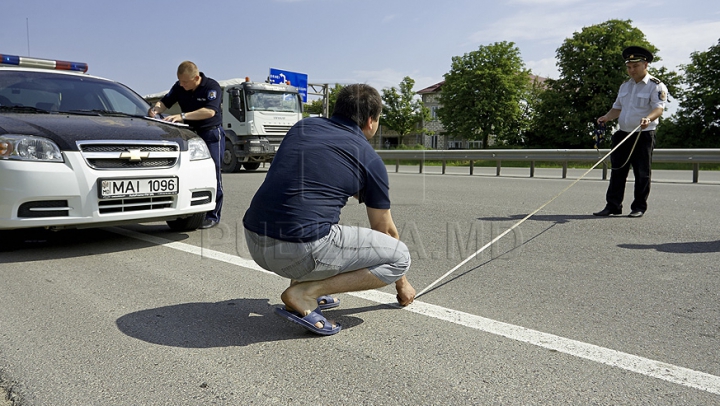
(273, 101)
(47, 92)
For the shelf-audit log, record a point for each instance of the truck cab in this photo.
(256, 117)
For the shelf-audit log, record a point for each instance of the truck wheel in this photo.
(230, 161)
(187, 223)
(251, 166)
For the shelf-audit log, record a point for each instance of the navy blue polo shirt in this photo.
(207, 94)
(320, 164)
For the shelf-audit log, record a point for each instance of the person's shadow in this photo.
(692, 247)
(553, 218)
(236, 322)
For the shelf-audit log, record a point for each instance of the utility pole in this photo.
(321, 89)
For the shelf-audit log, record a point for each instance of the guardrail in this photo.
(691, 156)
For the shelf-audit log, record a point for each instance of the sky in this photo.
(378, 42)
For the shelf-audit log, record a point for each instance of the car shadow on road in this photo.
(235, 322)
(691, 247)
(34, 244)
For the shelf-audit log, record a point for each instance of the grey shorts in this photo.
(344, 249)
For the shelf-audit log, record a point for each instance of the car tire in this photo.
(251, 166)
(230, 161)
(190, 223)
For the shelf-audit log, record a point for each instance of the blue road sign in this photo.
(296, 79)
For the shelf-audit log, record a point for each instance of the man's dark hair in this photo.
(358, 102)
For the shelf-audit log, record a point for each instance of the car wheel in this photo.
(187, 223)
(230, 161)
(251, 166)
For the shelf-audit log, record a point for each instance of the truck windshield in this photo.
(273, 101)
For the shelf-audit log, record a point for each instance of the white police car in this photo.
(77, 151)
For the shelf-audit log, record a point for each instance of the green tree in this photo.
(528, 109)
(313, 107)
(482, 93)
(402, 111)
(672, 80)
(591, 72)
(696, 124)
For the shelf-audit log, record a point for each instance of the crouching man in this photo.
(291, 226)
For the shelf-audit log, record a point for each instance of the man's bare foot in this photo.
(298, 299)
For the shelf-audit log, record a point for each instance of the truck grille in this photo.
(130, 155)
(274, 140)
(276, 129)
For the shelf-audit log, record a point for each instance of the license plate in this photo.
(116, 188)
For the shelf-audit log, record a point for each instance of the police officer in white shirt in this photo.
(640, 102)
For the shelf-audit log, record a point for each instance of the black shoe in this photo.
(636, 213)
(207, 223)
(606, 212)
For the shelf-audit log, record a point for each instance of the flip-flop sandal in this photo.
(329, 302)
(308, 322)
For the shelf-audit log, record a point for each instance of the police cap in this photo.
(637, 54)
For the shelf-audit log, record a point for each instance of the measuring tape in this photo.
(422, 292)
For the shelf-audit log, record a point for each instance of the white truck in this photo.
(256, 117)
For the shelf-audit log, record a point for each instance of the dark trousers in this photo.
(215, 140)
(640, 160)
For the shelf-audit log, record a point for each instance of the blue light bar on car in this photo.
(42, 63)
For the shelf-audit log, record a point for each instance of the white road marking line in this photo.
(644, 366)
(192, 249)
(656, 369)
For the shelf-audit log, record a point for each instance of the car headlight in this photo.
(29, 148)
(198, 149)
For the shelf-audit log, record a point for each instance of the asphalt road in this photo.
(566, 309)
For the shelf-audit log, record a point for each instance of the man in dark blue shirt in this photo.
(200, 100)
(291, 226)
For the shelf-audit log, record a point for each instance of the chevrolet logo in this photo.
(134, 155)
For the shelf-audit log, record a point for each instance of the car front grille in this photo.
(135, 204)
(129, 155)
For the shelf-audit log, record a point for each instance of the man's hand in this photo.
(644, 122)
(406, 293)
(175, 118)
(156, 109)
